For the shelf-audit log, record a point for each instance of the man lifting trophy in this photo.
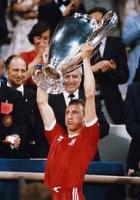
(71, 150)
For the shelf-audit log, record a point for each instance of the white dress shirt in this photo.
(67, 98)
(102, 47)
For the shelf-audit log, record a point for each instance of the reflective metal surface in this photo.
(64, 53)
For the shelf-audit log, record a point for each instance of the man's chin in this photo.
(71, 129)
(17, 84)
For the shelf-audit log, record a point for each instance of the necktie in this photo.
(71, 96)
(96, 56)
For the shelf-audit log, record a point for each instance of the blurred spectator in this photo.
(110, 68)
(3, 25)
(39, 36)
(38, 191)
(57, 10)
(3, 78)
(1, 65)
(35, 143)
(72, 82)
(131, 35)
(25, 14)
(137, 74)
(132, 114)
(114, 5)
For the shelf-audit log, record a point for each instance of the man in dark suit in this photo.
(132, 115)
(59, 102)
(111, 71)
(12, 126)
(36, 145)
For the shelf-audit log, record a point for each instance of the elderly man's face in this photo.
(72, 81)
(16, 72)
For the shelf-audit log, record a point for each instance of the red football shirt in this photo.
(69, 158)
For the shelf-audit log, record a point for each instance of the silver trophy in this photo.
(64, 53)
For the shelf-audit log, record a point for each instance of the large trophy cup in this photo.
(64, 53)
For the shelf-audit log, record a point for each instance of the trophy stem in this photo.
(52, 73)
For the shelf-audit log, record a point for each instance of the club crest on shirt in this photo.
(72, 142)
(60, 138)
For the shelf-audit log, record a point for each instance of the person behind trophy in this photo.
(39, 36)
(109, 64)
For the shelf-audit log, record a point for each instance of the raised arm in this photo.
(45, 109)
(89, 84)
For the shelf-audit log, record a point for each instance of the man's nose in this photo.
(20, 73)
(71, 79)
(69, 115)
(43, 43)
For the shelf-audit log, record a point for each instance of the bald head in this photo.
(16, 69)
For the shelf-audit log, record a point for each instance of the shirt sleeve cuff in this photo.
(91, 123)
(51, 126)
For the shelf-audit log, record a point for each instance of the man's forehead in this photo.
(74, 107)
(77, 71)
(17, 63)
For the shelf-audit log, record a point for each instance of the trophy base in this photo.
(48, 79)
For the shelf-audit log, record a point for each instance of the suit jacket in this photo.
(137, 74)
(17, 126)
(132, 115)
(36, 144)
(57, 102)
(109, 81)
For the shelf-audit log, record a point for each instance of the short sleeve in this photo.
(52, 134)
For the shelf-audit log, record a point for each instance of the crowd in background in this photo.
(26, 28)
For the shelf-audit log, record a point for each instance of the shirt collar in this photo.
(66, 96)
(20, 88)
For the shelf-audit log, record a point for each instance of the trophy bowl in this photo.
(64, 52)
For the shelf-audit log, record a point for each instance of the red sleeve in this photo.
(28, 56)
(25, 56)
(90, 137)
(91, 134)
(51, 135)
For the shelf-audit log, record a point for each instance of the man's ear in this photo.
(84, 121)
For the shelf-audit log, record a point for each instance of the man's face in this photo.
(74, 117)
(16, 72)
(72, 81)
